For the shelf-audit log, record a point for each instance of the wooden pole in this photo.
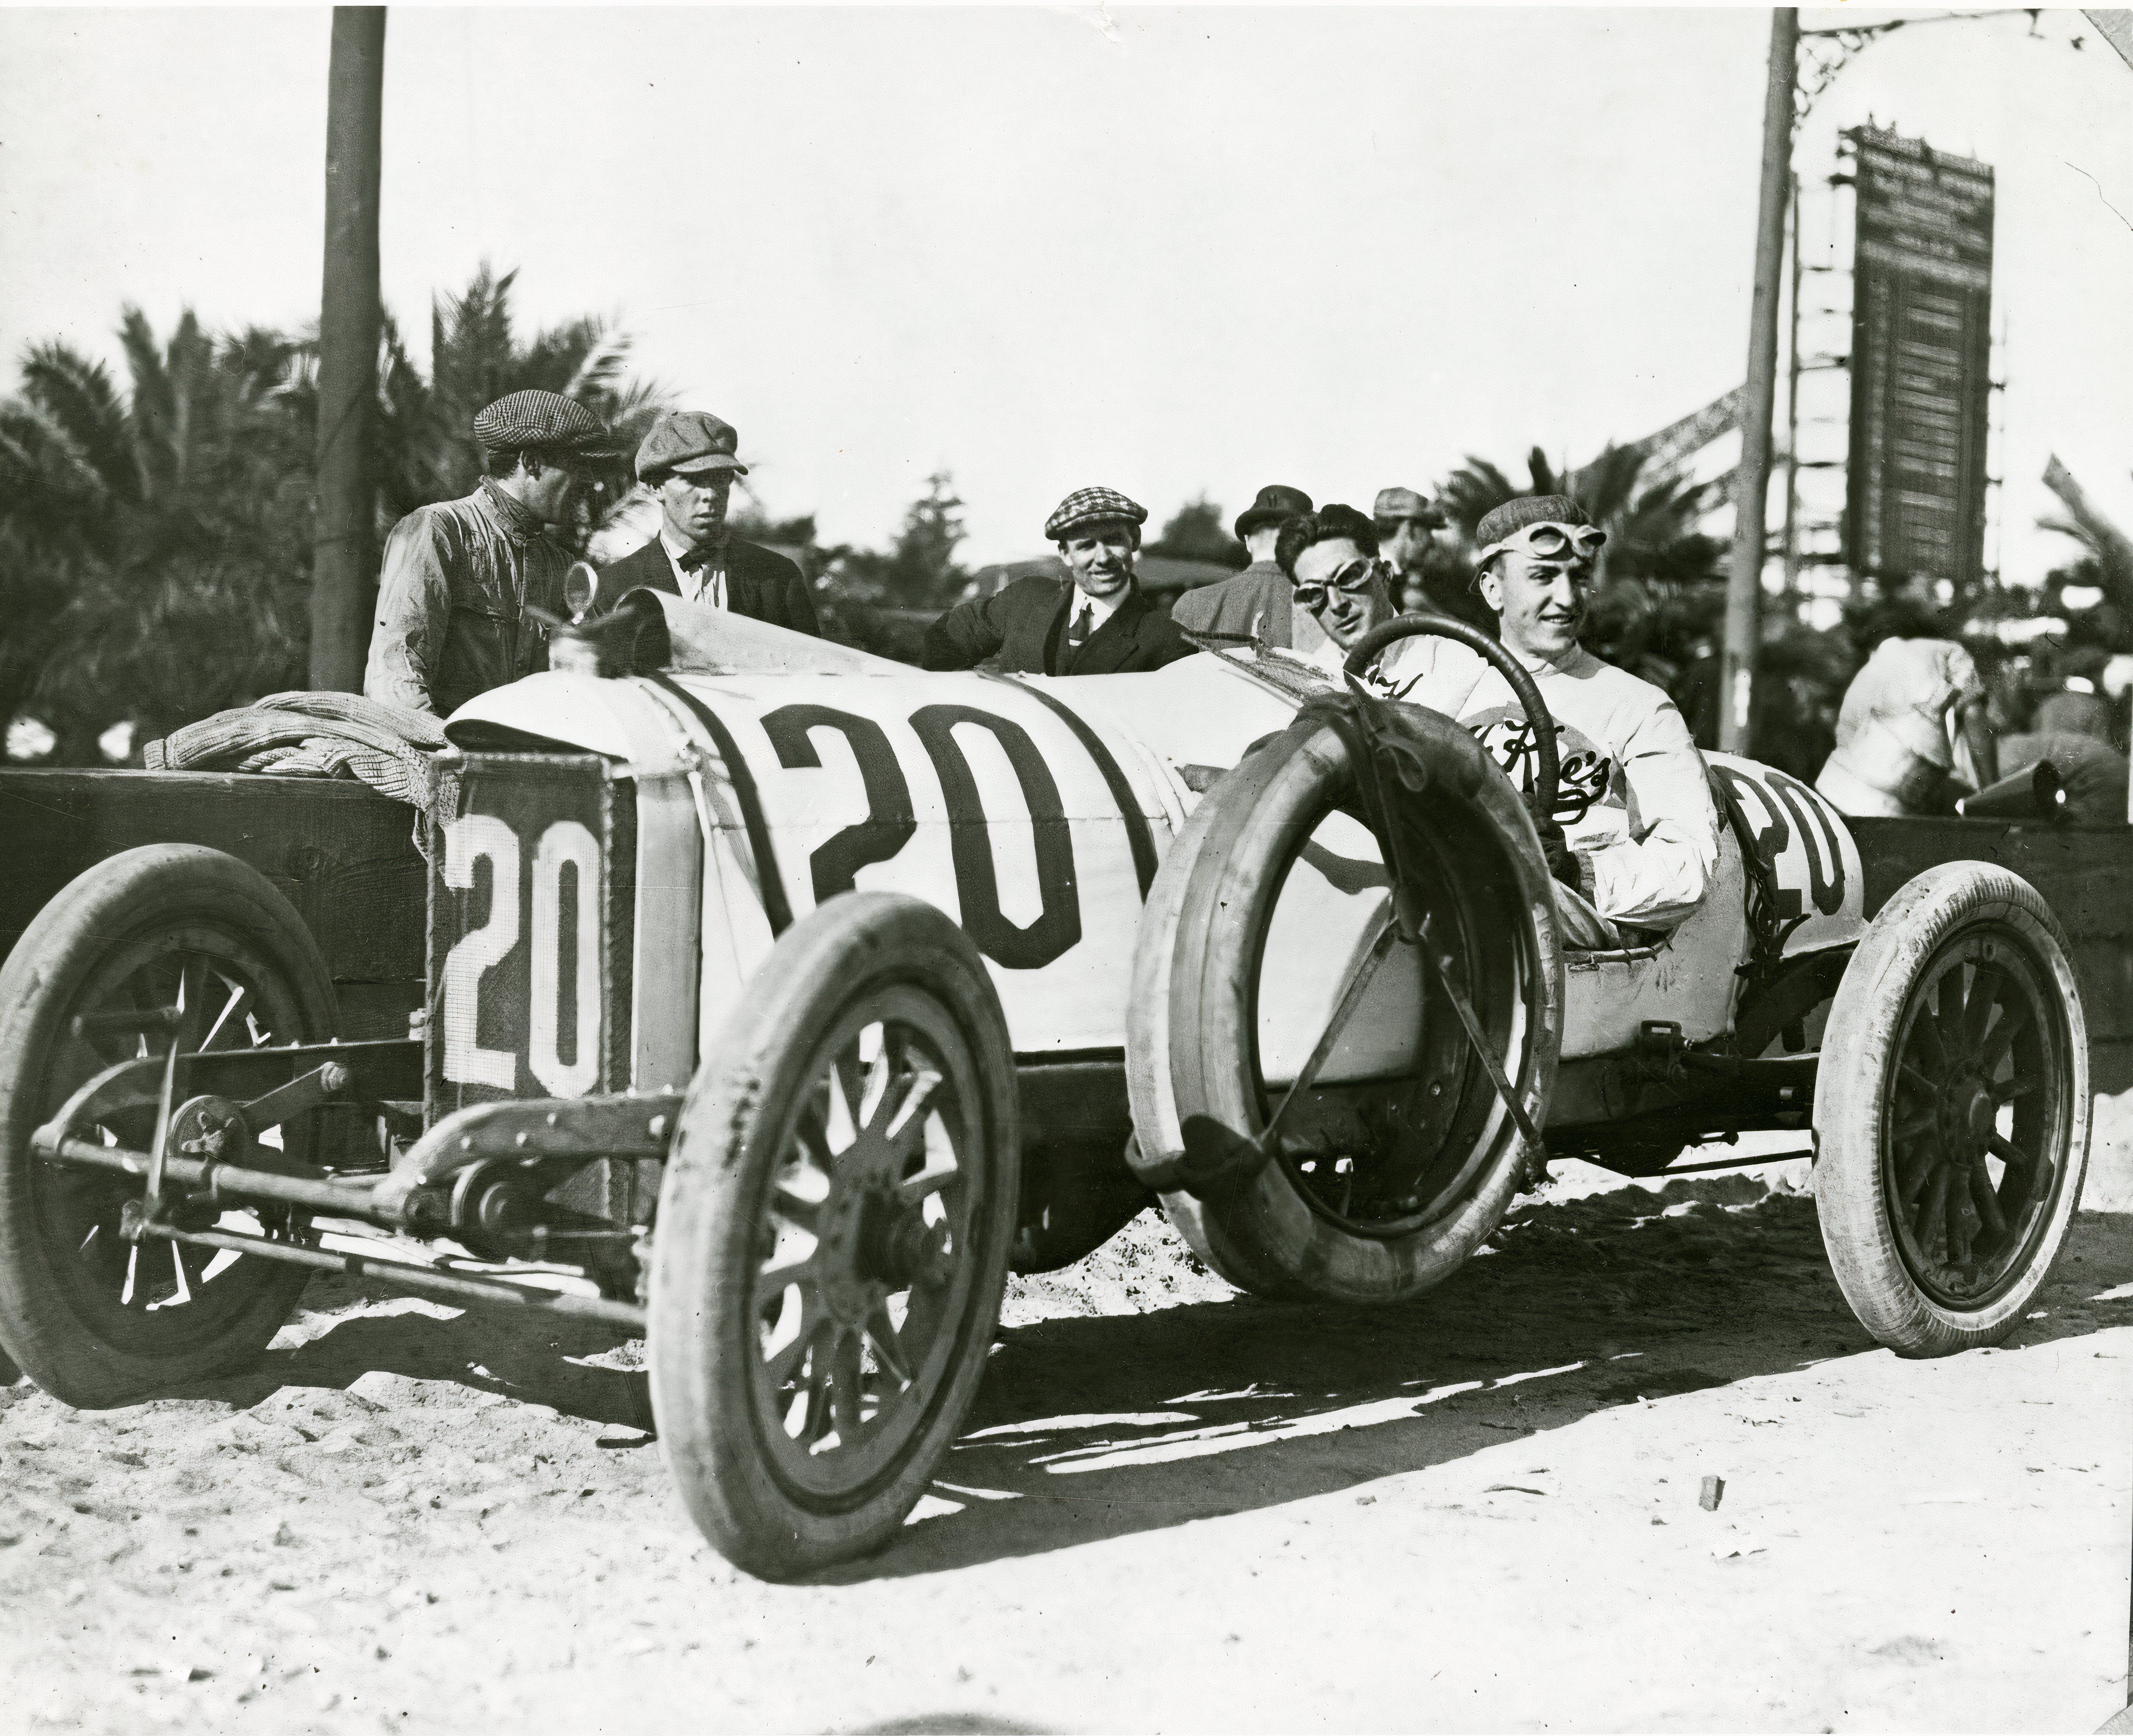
(345, 561)
(1792, 536)
(1751, 481)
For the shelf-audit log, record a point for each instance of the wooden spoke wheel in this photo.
(833, 1236)
(95, 1320)
(1952, 1111)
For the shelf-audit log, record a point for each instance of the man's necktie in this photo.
(1077, 636)
(695, 561)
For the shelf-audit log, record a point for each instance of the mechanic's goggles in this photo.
(1352, 580)
(1549, 541)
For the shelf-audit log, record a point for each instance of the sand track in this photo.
(1174, 1509)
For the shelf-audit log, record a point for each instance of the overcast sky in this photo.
(1173, 250)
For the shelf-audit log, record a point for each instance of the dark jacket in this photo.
(1258, 602)
(760, 584)
(1025, 625)
(451, 602)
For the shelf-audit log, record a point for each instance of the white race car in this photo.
(780, 997)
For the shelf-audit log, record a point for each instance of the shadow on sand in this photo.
(1094, 1428)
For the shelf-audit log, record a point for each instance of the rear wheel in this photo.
(1952, 1111)
(94, 1320)
(833, 1236)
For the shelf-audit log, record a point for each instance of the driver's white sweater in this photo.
(1634, 797)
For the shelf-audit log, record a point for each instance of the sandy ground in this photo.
(1175, 1510)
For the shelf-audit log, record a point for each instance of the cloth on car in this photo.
(1893, 755)
(2093, 773)
(398, 751)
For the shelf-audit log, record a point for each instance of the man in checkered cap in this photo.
(1095, 621)
(460, 576)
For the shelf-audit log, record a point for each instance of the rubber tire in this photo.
(1849, 1188)
(1189, 1019)
(702, 1364)
(122, 897)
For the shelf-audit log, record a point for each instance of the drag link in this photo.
(447, 1287)
(218, 1181)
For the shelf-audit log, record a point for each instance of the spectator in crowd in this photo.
(1406, 522)
(1640, 835)
(1254, 604)
(1096, 623)
(1915, 730)
(460, 576)
(689, 459)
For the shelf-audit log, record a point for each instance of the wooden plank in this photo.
(2086, 875)
(342, 854)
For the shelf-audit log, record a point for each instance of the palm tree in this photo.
(427, 449)
(156, 540)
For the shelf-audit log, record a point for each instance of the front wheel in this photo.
(833, 1236)
(1952, 1111)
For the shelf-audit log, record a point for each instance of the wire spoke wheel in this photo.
(1952, 1111)
(833, 1235)
(152, 1296)
(94, 1319)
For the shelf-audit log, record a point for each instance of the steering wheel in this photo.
(1549, 767)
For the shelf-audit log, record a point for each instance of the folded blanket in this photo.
(398, 751)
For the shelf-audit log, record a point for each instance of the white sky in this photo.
(1204, 249)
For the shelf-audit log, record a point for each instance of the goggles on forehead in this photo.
(1351, 580)
(1549, 541)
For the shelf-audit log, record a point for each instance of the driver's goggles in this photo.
(1549, 541)
(1353, 580)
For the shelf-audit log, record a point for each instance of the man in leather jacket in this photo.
(460, 576)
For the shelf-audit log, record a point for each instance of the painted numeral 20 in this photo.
(475, 837)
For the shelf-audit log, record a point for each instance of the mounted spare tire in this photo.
(1402, 1158)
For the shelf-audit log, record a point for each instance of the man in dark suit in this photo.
(1097, 623)
(688, 460)
(1257, 601)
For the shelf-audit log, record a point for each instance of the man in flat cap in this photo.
(460, 576)
(1096, 623)
(1406, 522)
(688, 460)
(1634, 798)
(1256, 602)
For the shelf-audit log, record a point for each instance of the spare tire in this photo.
(1383, 1184)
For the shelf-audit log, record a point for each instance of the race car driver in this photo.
(1634, 798)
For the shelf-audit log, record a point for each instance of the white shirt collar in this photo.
(1566, 664)
(707, 585)
(1100, 608)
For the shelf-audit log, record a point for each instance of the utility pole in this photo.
(344, 563)
(1792, 419)
(1752, 481)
